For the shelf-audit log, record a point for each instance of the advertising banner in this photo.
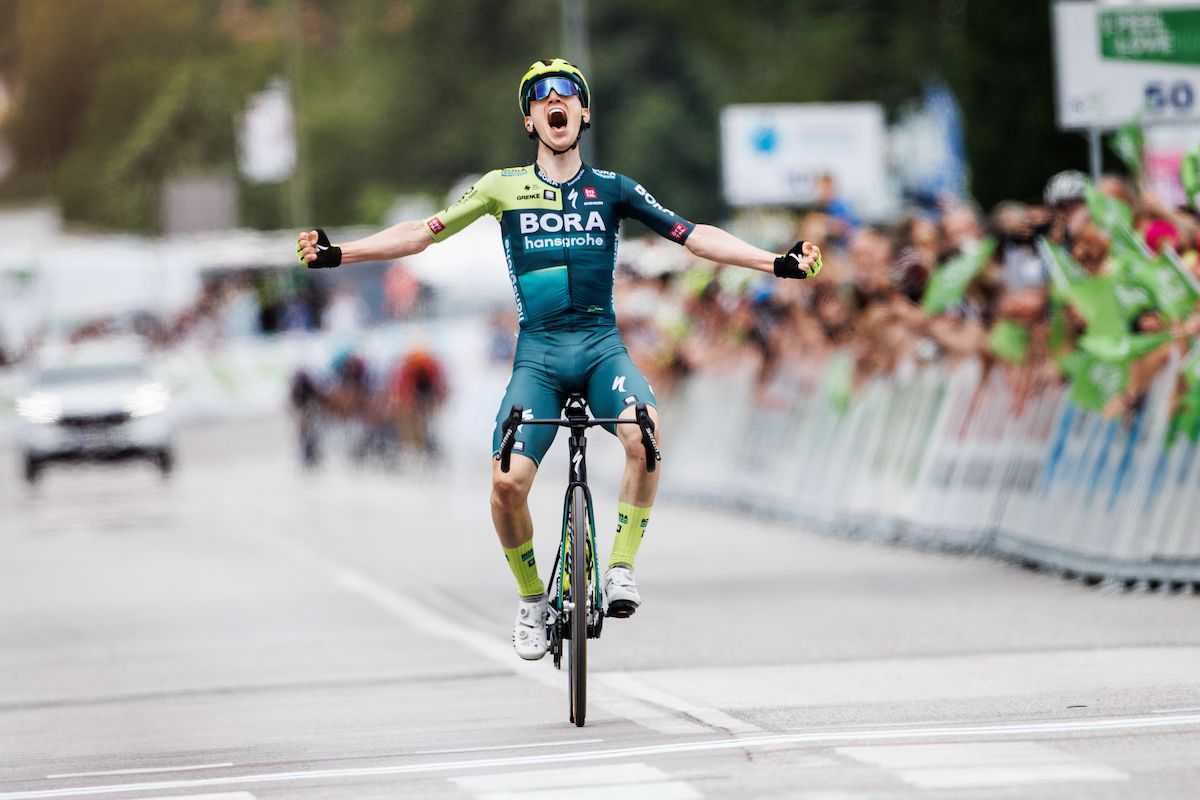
(1115, 62)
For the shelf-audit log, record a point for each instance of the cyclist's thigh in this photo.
(531, 388)
(616, 384)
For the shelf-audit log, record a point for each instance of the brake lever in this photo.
(653, 455)
(509, 438)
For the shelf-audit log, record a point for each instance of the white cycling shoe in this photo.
(620, 592)
(529, 631)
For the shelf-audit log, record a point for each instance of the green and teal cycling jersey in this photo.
(560, 240)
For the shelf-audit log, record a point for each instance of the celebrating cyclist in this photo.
(559, 219)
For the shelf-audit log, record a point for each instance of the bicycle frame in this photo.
(575, 614)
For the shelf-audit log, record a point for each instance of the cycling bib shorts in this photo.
(548, 366)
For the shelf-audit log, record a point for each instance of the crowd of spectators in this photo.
(867, 300)
(234, 304)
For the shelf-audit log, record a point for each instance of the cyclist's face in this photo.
(557, 119)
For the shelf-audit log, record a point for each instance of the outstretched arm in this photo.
(712, 243)
(398, 241)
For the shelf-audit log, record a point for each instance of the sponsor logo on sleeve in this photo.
(508, 173)
(603, 173)
(436, 226)
(589, 193)
(649, 198)
(678, 231)
(550, 194)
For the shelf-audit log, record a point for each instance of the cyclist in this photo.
(559, 219)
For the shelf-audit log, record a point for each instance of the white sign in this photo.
(774, 154)
(267, 136)
(1116, 60)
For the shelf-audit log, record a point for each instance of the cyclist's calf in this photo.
(510, 493)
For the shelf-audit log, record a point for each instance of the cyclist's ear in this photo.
(587, 115)
(529, 124)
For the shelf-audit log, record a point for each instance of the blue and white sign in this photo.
(773, 155)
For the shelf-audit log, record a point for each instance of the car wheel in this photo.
(165, 461)
(33, 470)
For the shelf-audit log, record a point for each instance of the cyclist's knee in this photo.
(510, 489)
(631, 435)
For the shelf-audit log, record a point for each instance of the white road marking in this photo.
(145, 771)
(561, 743)
(218, 796)
(961, 766)
(627, 781)
(659, 718)
(845, 737)
(1174, 710)
(1063, 675)
(628, 684)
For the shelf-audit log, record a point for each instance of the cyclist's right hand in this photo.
(314, 251)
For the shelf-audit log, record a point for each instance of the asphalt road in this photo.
(247, 630)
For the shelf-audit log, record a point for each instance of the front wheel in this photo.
(580, 596)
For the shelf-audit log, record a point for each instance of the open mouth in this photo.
(557, 118)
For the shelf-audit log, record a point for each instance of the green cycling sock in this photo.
(524, 568)
(631, 527)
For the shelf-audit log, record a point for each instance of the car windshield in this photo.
(92, 373)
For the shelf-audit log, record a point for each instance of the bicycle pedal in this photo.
(621, 609)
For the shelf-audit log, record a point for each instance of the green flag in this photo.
(1094, 382)
(1106, 303)
(1127, 144)
(1186, 419)
(949, 282)
(1097, 300)
(1190, 368)
(1116, 219)
(1189, 175)
(1122, 349)
(1063, 269)
(1173, 289)
(1009, 341)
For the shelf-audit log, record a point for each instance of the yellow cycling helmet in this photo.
(551, 68)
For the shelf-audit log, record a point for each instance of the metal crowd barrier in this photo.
(940, 455)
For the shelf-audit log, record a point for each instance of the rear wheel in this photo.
(580, 597)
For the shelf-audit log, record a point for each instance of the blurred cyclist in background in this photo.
(416, 390)
(559, 220)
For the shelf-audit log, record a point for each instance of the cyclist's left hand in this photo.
(803, 260)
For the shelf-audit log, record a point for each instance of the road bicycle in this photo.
(575, 612)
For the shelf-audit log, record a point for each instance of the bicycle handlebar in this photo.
(515, 420)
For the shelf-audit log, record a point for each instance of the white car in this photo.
(95, 406)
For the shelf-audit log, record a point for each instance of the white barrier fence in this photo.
(943, 455)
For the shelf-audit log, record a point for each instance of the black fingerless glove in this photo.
(788, 264)
(328, 256)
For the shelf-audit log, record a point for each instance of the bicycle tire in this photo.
(580, 597)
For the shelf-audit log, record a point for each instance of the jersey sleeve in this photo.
(475, 202)
(639, 204)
